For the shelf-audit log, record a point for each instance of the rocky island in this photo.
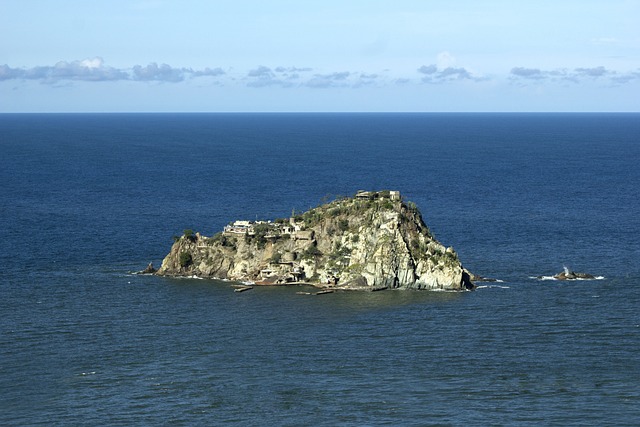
(371, 241)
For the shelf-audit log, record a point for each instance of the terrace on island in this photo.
(274, 229)
(368, 195)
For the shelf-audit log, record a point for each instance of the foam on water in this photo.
(552, 278)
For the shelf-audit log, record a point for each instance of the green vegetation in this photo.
(185, 259)
(261, 231)
(450, 258)
(335, 212)
(339, 258)
(344, 206)
(276, 258)
(189, 235)
(340, 252)
(223, 240)
(387, 205)
(331, 230)
(415, 244)
(354, 269)
(216, 238)
(420, 250)
(311, 252)
(311, 217)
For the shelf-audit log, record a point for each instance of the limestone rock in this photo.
(371, 241)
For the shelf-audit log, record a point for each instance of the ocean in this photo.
(86, 199)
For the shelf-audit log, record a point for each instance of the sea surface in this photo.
(86, 199)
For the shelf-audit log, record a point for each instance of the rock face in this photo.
(371, 241)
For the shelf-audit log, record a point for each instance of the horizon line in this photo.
(316, 112)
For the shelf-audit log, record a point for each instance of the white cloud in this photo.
(92, 63)
(86, 70)
(445, 60)
(434, 74)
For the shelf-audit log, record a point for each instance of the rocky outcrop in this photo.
(572, 275)
(372, 241)
(148, 270)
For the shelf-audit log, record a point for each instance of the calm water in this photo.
(87, 198)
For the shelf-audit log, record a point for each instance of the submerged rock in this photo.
(371, 241)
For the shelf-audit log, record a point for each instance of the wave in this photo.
(188, 277)
(552, 278)
(493, 286)
(542, 278)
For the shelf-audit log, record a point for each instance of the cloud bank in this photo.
(433, 74)
(525, 75)
(94, 70)
(442, 73)
(85, 70)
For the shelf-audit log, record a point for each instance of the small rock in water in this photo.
(149, 270)
(572, 275)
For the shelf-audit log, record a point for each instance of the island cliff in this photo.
(371, 241)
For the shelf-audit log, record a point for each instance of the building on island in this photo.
(240, 227)
(243, 228)
(368, 195)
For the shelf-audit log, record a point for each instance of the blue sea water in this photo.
(85, 199)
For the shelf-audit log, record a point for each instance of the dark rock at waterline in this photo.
(149, 270)
(478, 278)
(572, 275)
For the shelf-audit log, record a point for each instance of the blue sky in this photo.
(279, 55)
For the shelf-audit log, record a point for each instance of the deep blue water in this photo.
(87, 198)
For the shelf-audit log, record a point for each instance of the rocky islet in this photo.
(371, 241)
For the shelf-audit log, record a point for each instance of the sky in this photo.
(319, 56)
